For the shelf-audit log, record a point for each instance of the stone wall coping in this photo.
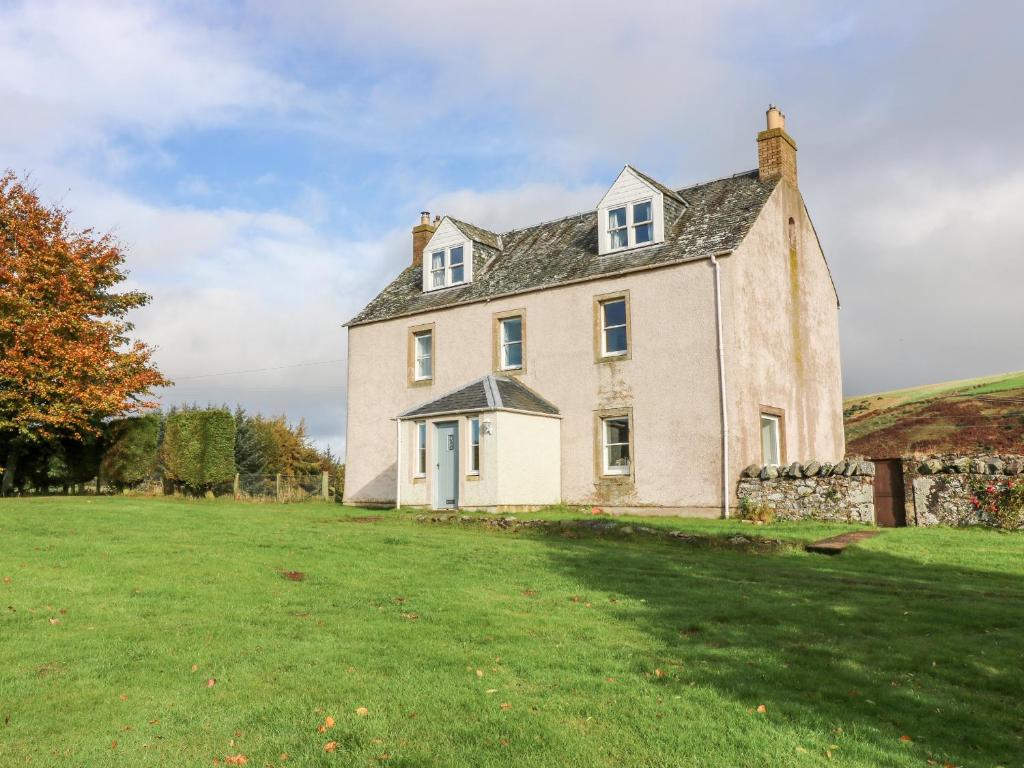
(808, 469)
(1006, 464)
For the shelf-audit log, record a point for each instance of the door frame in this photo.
(437, 492)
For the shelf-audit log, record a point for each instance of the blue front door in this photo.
(447, 478)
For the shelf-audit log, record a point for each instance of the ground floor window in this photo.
(771, 452)
(421, 448)
(474, 446)
(615, 449)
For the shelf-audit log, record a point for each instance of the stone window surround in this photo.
(599, 416)
(496, 319)
(599, 301)
(413, 332)
(768, 410)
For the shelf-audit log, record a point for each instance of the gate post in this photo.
(236, 487)
(277, 482)
(325, 486)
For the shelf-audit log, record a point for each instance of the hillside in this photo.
(958, 416)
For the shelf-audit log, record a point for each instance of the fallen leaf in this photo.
(156, 721)
(113, 744)
(492, 690)
(762, 708)
(362, 711)
(195, 667)
(904, 738)
(479, 673)
(505, 707)
(283, 757)
(238, 759)
(54, 620)
(503, 742)
(329, 721)
(529, 593)
(330, 746)
(294, 575)
(321, 728)
(7, 579)
(211, 682)
(123, 697)
(610, 679)
(411, 616)
(659, 673)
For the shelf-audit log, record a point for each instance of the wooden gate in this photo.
(890, 509)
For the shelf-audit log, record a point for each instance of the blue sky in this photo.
(264, 162)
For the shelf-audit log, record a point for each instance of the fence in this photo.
(279, 487)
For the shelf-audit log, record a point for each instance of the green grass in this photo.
(916, 633)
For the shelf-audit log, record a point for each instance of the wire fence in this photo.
(279, 488)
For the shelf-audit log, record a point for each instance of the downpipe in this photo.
(721, 386)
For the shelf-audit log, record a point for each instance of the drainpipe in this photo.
(398, 464)
(721, 388)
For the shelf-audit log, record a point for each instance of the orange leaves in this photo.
(238, 759)
(761, 709)
(505, 707)
(330, 746)
(211, 682)
(905, 739)
(362, 711)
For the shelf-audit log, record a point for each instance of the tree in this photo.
(66, 361)
(131, 455)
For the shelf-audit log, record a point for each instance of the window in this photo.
(615, 445)
(474, 446)
(618, 234)
(421, 448)
(456, 265)
(437, 269)
(448, 266)
(631, 225)
(643, 223)
(424, 355)
(614, 338)
(511, 343)
(770, 439)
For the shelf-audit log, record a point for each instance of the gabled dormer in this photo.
(454, 252)
(635, 212)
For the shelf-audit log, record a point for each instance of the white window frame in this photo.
(421, 449)
(776, 421)
(418, 357)
(630, 225)
(605, 327)
(617, 469)
(441, 271)
(474, 455)
(505, 343)
(451, 267)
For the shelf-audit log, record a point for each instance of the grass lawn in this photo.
(474, 647)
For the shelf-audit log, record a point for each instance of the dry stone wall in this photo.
(959, 490)
(814, 490)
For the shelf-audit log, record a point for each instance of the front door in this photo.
(890, 508)
(446, 485)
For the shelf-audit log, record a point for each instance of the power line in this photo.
(256, 370)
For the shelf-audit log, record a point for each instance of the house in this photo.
(636, 356)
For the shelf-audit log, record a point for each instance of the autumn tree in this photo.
(66, 359)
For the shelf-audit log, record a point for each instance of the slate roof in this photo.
(717, 216)
(487, 394)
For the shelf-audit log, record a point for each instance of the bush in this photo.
(1002, 501)
(758, 513)
(132, 453)
(199, 448)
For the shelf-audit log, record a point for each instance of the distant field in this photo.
(984, 414)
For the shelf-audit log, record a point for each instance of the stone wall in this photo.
(842, 492)
(943, 488)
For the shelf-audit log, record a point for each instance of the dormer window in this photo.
(632, 214)
(456, 266)
(449, 254)
(448, 266)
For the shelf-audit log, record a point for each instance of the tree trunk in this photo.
(13, 454)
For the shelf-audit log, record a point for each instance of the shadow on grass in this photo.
(872, 643)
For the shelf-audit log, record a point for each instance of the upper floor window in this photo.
(424, 355)
(511, 343)
(630, 225)
(614, 336)
(448, 266)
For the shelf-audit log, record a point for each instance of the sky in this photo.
(264, 162)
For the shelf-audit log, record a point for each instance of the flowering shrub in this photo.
(1000, 500)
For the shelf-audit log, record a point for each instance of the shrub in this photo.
(1001, 500)
(131, 456)
(199, 448)
(758, 513)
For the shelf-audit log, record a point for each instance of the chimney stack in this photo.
(776, 150)
(421, 234)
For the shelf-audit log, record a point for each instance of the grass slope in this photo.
(472, 647)
(984, 414)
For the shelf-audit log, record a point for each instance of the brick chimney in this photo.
(421, 234)
(776, 150)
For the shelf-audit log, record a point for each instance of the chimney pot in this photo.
(775, 117)
(424, 217)
(421, 235)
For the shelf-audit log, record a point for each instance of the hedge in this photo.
(199, 448)
(131, 455)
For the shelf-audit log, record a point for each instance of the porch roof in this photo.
(489, 393)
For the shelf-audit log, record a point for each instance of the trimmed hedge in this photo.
(199, 448)
(131, 456)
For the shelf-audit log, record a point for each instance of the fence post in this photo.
(325, 486)
(236, 487)
(277, 480)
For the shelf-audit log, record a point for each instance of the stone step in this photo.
(834, 545)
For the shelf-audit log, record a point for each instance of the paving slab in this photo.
(834, 545)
